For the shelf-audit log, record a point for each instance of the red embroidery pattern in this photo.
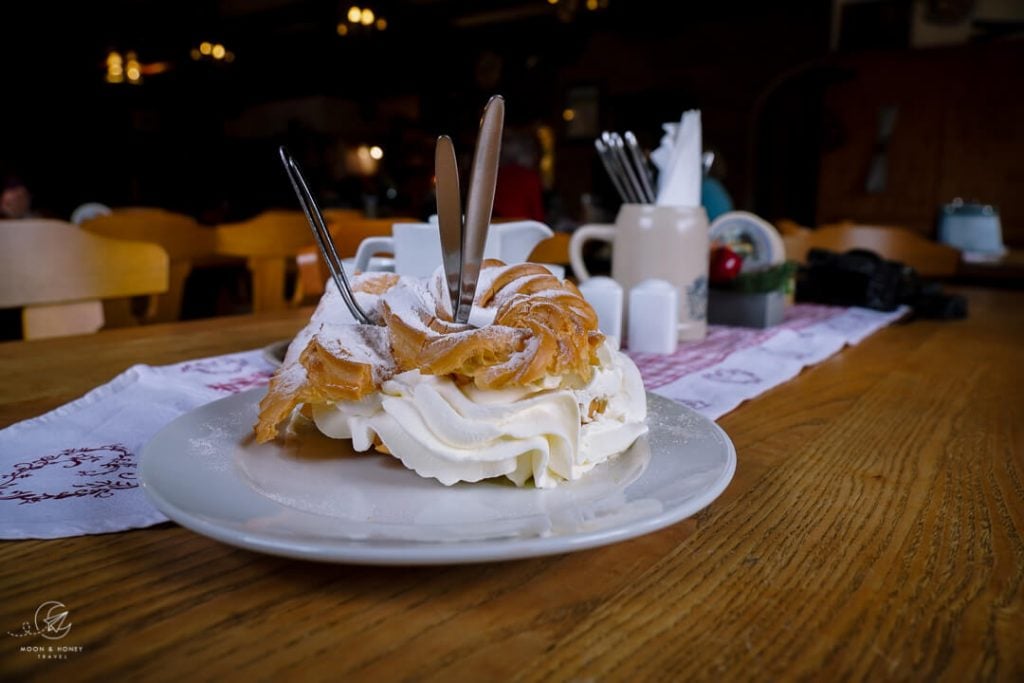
(233, 386)
(109, 462)
(722, 342)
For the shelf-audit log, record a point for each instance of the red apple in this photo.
(725, 265)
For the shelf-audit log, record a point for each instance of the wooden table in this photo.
(874, 530)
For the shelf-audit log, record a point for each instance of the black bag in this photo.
(863, 278)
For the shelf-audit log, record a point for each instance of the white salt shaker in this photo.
(653, 317)
(605, 295)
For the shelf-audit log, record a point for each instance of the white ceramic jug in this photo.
(653, 241)
(417, 246)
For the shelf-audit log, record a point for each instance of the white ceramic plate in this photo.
(311, 497)
(275, 353)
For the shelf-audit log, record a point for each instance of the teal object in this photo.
(715, 198)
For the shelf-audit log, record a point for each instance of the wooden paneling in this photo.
(957, 133)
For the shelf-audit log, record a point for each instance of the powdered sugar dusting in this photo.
(366, 344)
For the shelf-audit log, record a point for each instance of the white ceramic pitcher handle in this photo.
(582, 235)
(369, 247)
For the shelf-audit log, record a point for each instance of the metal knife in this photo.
(449, 216)
(480, 202)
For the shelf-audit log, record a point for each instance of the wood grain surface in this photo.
(873, 531)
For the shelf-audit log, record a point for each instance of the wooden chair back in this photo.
(554, 249)
(928, 258)
(58, 274)
(182, 237)
(268, 242)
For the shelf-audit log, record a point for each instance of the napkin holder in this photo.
(745, 309)
(755, 299)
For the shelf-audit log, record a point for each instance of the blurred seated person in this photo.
(519, 192)
(16, 201)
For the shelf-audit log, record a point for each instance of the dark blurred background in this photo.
(794, 97)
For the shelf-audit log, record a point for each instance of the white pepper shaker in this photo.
(605, 295)
(653, 317)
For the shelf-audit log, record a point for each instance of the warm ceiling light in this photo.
(592, 4)
(568, 114)
(342, 29)
(366, 17)
(363, 151)
(354, 14)
(376, 152)
(552, 2)
(132, 69)
(195, 54)
(218, 51)
(115, 71)
(229, 56)
(382, 24)
(205, 47)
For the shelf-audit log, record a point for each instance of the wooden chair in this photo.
(554, 249)
(928, 258)
(58, 274)
(185, 241)
(342, 215)
(268, 242)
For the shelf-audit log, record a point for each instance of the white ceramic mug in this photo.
(415, 246)
(651, 241)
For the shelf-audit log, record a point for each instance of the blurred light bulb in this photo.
(376, 152)
(132, 67)
(568, 114)
(382, 24)
(115, 73)
(218, 51)
(592, 4)
(195, 54)
(229, 56)
(363, 151)
(552, 2)
(366, 17)
(205, 47)
(354, 14)
(342, 29)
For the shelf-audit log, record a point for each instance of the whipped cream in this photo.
(456, 433)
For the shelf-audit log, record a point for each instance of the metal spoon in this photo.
(604, 154)
(480, 202)
(322, 235)
(619, 160)
(638, 160)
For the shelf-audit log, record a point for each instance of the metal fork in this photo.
(322, 236)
